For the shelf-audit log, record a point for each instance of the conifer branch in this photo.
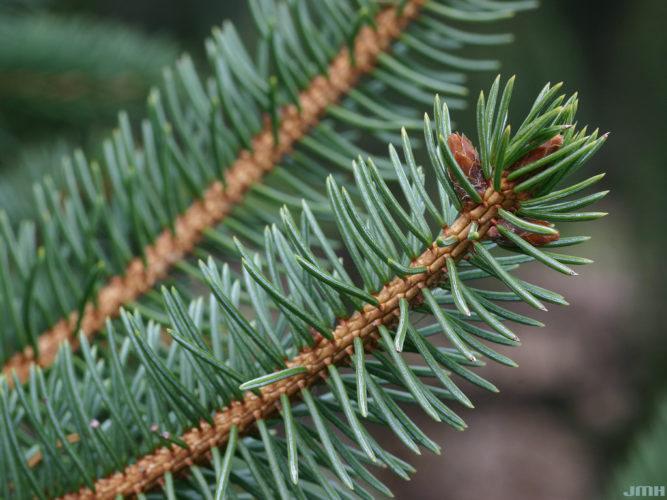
(218, 200)
(148, 470)
(225, 374)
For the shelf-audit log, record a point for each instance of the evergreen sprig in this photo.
(235, 385)
(207, 143)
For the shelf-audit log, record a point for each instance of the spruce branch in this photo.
(200, 174)
(243, 415)
(277, 364)
(171, 246)
(187, 392)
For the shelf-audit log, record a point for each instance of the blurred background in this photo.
(581, 415)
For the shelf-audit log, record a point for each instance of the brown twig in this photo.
(148, 470)
(219, 200)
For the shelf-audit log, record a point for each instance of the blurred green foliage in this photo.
(68, 71)
(63, 79)
(646, 464)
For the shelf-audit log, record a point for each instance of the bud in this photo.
(551, 146)
(467, 157)
(534, 239)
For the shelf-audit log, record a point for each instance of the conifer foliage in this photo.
(258, 379)
(322, 83)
